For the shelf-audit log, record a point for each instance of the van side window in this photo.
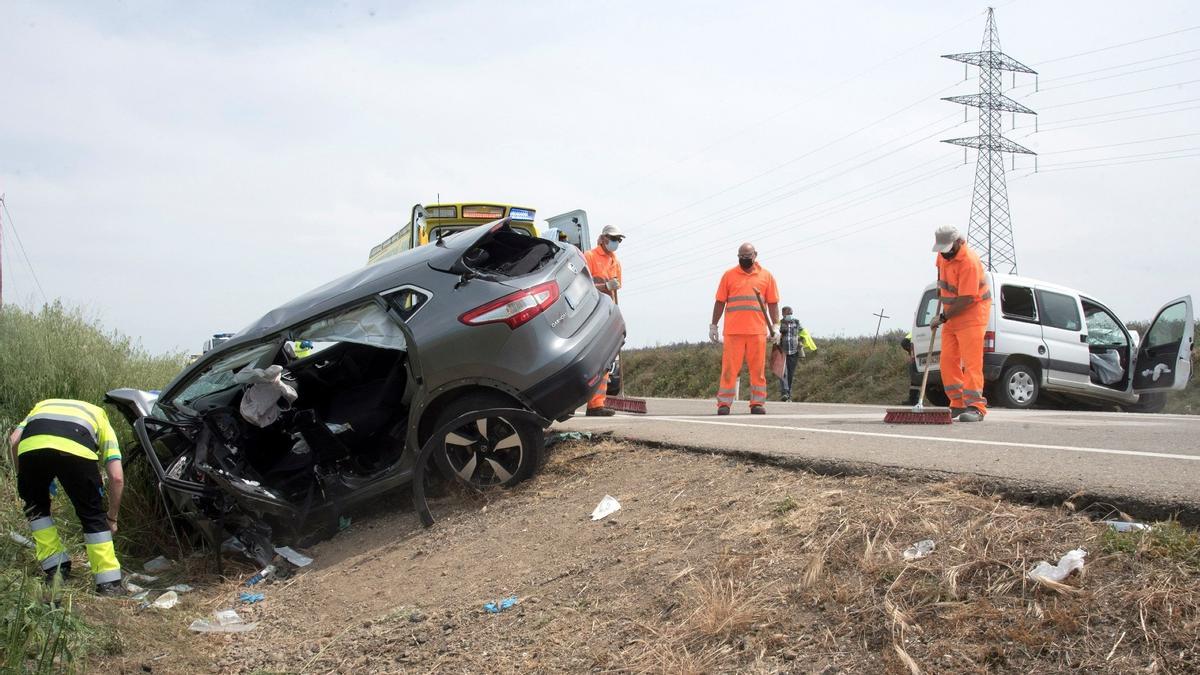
(1016, 302)
(1058, 310)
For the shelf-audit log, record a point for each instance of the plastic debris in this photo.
(919, 550)
(166, 600)
(496, 608)
(159, 564)
(1122, 526)
(233, 545)
(607, 506)
(133, 588)
(343, 523)
(181, 588)
(295, 557)
(20, 539)
(141, 596)
(141, 578)
(223, 621)
(1071, 561)
(265, 573)
(567, 436)
(251, 598)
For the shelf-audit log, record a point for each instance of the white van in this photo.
(1043, 337)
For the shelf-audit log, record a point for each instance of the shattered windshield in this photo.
(220, 374)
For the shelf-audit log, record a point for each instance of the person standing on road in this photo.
(738, 296)
(966, 300)
(793, 350)
(63, 439)
(606, 274)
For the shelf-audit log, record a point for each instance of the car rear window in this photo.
(1016, 302)
(1058, 310)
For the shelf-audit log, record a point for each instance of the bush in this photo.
(59, 353)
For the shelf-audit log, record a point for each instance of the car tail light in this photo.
(514, 309)
(989, 341)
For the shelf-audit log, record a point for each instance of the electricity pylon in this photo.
(990, 230)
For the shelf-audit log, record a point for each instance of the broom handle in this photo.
(767, 317)
(932, 335)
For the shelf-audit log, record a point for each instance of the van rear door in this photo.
(1065, 336)
(1164, 356)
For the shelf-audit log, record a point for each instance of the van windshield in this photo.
(928, 308)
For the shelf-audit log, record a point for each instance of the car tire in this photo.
(1153, 402)
(614, 381)
(936, 395)
(1018, 387)
(488, 452)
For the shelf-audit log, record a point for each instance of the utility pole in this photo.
(879, 324)
(990, 231)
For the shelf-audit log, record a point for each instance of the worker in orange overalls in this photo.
(606, 274)
(966, 301)
(745, 328)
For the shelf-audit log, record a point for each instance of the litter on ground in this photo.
(1122, 526)
(20, 539)
(166, 600)
(1071, 561)
(293, 556)
(567, 436)
(496, 608)
(159, 564)
(223, 621)
(251, 598)
(919, 550)
(180, 588)
(607, 506)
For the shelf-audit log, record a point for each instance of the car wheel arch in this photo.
(1001, 384)
(440, 398)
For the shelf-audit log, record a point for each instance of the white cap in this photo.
(944, 238)
(612, 231)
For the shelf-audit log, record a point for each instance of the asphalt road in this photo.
(1147, 464)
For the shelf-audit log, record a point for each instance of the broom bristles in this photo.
(911, 416)
(629, 405)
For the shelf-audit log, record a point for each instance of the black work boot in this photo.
(955, 412)
(722, 410)
(64, 569)
(110, 589)
(758, 410)
(600, 412)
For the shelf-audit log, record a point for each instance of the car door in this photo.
(574, 226)
(1164, 356)
(1065, 337)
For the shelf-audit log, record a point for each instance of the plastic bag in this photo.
(1071, 561)
(607, 506)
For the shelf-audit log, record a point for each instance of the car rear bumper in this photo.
(993, 364)
(559, 395)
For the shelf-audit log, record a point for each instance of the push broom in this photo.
(919, 414)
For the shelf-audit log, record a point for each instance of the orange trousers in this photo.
(752, 349)
(597, 400)
(962, 366)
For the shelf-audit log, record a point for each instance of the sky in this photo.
(177, 170)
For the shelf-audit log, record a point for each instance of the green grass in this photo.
(57, 352)
(1167, 539)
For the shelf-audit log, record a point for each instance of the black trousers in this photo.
(79, 478)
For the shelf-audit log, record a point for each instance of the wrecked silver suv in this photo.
(465, 349)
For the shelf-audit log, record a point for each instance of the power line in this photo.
(1117, 46)
(1113, 145)
(1143, 154)
(1107, 68)
(1055, 168)
(1125, 93)
(1116, 75)
(13, 226)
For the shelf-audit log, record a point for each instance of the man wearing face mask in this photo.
(745, 328)
(606, 274)
(966, 301)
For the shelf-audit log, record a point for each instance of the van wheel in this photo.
(1018, 386)
(490, 451)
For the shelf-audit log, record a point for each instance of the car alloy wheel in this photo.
(486, 452)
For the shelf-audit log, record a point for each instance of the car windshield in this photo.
(220, 374)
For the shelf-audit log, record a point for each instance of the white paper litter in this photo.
(224, 621)
(180, 588)
(134, 588)
(919, 550)
(1071, 561)
(20, 539)
(159, 564)
(1122, 526)
(607, 506)
(295, 557)
(166, 600)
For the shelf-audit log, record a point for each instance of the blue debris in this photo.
(251, 598)
(506, 603)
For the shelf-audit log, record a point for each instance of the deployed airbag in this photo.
(261, 402)
(1106, 367)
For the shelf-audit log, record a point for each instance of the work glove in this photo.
(713, 333)
(612, 284)
(774, 337)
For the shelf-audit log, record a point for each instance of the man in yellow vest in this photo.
(63, 439)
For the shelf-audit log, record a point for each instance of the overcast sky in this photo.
(178, 169)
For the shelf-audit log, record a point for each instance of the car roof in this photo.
(1000, 279)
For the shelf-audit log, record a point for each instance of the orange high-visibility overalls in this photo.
(745, 331)
(962, 335)
(603, 266)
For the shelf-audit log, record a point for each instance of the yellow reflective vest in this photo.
(74, 427)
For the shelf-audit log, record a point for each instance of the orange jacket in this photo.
(603, 266)
(743, 316)
(964, 276)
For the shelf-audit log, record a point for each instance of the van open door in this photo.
(1164, 355)
(570, 227)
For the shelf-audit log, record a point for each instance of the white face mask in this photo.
(611, 245)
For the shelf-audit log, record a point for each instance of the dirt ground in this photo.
(712, 565)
